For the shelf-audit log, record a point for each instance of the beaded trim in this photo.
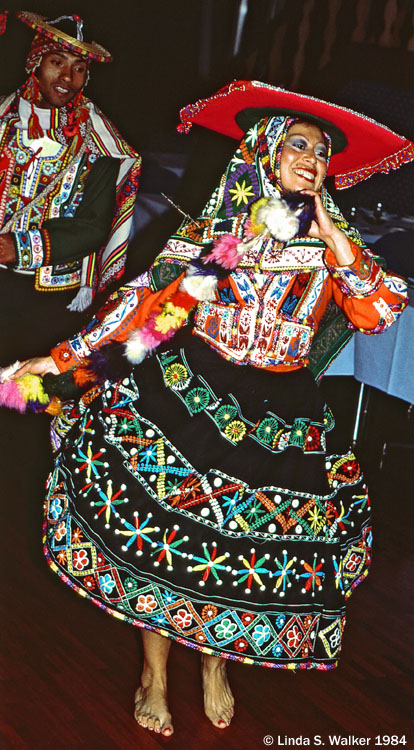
(343, 180)
(395, 161)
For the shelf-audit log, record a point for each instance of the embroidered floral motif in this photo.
(197, 399)
(146, 604)
(235, 430)
(209, 612)
(175, 374)
(271, 431)
(225, 414)
(267, 429)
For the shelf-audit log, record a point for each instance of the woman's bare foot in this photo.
(218, 698)
(151, 708)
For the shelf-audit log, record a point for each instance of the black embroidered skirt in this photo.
(213, 504)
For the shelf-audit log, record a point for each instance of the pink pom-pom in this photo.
(149, 337)
(225, 251)
(249, 231)
(11, 396)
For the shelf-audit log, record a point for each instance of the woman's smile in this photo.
(303, 160)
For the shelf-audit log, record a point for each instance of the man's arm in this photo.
(66, 239)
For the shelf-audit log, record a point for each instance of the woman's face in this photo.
(303, 161)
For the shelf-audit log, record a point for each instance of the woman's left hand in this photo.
(324, 229)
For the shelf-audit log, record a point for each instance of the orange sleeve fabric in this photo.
(370, 297)
(126, 310)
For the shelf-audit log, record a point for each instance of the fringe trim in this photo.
(395, 161)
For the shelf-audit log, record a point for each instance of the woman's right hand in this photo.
(36, 366)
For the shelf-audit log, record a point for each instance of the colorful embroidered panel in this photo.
(271, 431)
(258, 574)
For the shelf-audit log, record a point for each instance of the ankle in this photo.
(212, 664)
(151, 677)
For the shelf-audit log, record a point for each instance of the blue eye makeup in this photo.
(299, 143)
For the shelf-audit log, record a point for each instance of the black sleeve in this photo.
(88, 230)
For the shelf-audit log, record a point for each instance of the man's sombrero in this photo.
(360, 146)
(75, 45)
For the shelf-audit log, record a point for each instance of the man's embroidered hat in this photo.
(49, 36)
(360, 146)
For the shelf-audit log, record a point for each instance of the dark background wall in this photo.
(167, 54)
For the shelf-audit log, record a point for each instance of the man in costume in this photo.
(68, 182)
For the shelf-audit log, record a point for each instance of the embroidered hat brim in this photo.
(360, 145)
(90, 50)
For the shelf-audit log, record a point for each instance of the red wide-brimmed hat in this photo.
(361, 146)
(42, 26)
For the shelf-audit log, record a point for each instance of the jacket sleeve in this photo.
(66, 239)
(371, 298)
(125, 310)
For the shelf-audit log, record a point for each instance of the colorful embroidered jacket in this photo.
(78, 233)
(265, 312)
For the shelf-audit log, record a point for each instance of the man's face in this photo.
(61, 75)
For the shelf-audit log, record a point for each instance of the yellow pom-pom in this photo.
(256, 227)
(31, 388)
(170, 316)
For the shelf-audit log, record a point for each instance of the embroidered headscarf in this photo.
(254, 173)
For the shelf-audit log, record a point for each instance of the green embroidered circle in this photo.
(130, 585)
(267, 429)
(328, 419)
(235, 430)
(197, 399)
(175, 374)
(225, 414)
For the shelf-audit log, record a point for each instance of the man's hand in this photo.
(7, 249)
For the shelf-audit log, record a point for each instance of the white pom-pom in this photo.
(7, 372)
(279, 219)
(199, 286)
(135, 349)
(82, 301)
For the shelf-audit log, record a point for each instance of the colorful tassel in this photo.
(54, 408)
(280, 222)
(225, 251)
(24, 394)
(303, 206)
(34, 128)
(282, 218)
(11, 396)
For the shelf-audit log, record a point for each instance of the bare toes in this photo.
(151, 710)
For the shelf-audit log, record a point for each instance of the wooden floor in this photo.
(69, 671)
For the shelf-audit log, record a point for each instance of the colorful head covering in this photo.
(229, 218)
(253, 173)
(50, 37)
(361, 146)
